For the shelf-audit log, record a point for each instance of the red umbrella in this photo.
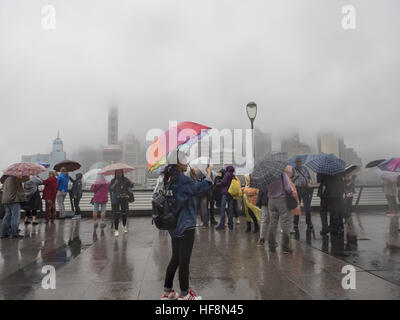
(110, 170)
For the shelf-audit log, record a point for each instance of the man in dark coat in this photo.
(76, 194)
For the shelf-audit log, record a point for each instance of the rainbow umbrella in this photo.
(392, 165)
(24, 169)
(181, 137)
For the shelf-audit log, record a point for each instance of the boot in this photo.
(248, 227)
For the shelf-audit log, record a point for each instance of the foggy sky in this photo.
(202, 61)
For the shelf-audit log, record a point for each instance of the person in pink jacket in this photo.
(100, 199)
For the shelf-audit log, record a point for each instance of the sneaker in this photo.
(77, 216)
(125, 229)
(237, 221)
(170, 296)
(190, 296)
(116, 233)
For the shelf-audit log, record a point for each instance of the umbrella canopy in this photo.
(69, 165)
(43, 164)
(24, 169)
(266, 172)
(388, 175)
(392, 165)
(374, 163)
(352, 169)
(110, 170)
(183, 136)
(327, 164)
(303, 157)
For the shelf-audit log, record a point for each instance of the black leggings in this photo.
(30, 213)
(120, 208)
(181, 252)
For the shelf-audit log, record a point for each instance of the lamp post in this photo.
(251, 109)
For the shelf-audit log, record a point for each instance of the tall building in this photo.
(133, 154)
(291, 145)
(112, 153)
(332, 143)
(56, 155)
(262, 144)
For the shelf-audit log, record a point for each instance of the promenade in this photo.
(91, 264)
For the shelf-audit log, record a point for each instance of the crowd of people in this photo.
(23, 194)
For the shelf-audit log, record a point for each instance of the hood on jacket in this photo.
(223, 171)
(78, 176)
(230, 169)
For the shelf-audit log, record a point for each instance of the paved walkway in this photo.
(92, 264)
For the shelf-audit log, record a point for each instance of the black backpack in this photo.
(162, 206)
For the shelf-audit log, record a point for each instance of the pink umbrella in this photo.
(24, 169)
(110, 170)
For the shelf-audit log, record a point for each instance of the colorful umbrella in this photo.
(266, 172)
(392, 165)
(324, 163)
(24, 169)
(110, 170)
(374, 163)
(69, 165)
(183, 136)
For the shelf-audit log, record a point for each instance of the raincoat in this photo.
(250, 196)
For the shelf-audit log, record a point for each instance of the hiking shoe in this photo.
(170, 296)
(190, 296)
(116, 233)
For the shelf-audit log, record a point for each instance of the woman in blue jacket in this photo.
(184, 189)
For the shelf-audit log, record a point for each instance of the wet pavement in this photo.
(91, 264)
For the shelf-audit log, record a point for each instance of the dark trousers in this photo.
(181, 253)
(212, 207)
(304, 195)
(75, 205)
(348, 206)
(235, 208)
(30, 213)
(335, 208)
(120, 208)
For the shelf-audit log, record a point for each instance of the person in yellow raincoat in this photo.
(253, 213)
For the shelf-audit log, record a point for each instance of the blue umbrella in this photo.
(44, 164)
(324, 163)
(303, 157)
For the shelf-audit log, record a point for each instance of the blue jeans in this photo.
(11, 219)
(226, 199)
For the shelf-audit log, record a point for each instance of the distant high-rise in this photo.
(112, 153)
(291, 145)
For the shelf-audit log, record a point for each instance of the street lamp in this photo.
(251, 109)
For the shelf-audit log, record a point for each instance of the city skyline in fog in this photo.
(162, 61)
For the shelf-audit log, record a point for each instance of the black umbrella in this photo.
(69, 165)
(351, 169)
(266, 172)
(374, 163)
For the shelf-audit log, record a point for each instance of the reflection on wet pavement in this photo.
(92, 264)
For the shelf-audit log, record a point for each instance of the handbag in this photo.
(290, 199)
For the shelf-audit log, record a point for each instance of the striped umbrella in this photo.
(266, 172)
(324, 163)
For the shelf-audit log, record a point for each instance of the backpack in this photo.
(163, 215)
(235, 189)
